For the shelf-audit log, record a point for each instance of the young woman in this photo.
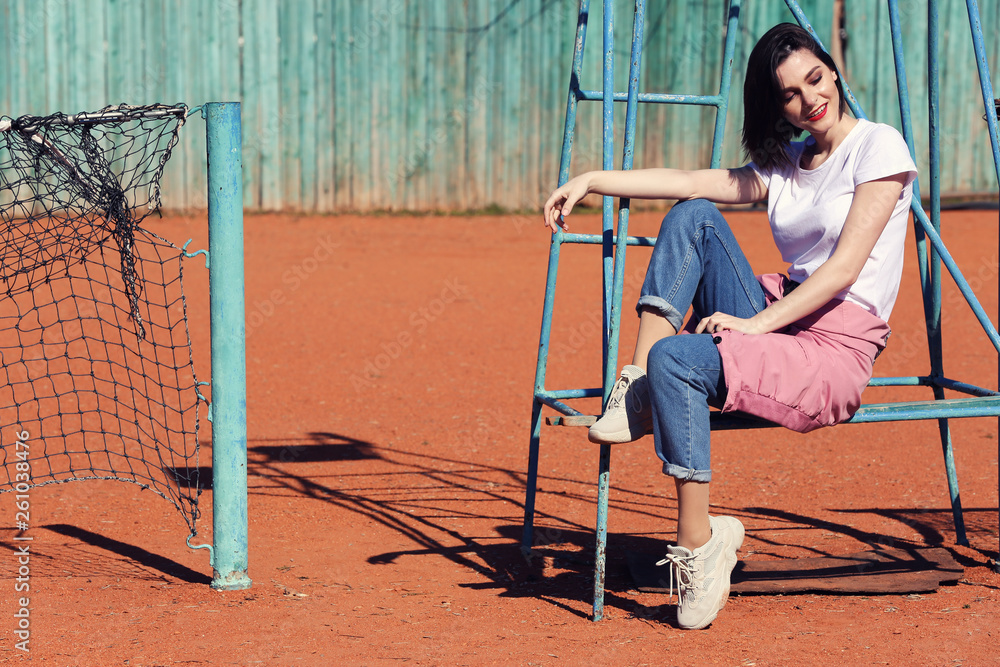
(795, 349)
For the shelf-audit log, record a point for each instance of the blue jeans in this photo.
(696, 263)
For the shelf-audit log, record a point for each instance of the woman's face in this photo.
(808, 92)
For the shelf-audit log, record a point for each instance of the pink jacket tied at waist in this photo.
(807, 375)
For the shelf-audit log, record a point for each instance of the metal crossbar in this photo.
(119, 114)
(931, 253)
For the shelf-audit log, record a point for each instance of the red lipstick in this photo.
(818, 115)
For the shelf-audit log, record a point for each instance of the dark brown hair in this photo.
(766, 133)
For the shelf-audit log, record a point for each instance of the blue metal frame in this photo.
(986, 86)
(226, 293)
(981, 401)
(613, 256)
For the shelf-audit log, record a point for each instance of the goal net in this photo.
(95, 355)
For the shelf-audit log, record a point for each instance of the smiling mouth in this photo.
(819, 113)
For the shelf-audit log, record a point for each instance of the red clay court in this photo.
(390, 368)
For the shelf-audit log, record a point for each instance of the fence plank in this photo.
(388, 104)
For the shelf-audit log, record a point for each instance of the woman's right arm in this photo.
(723, 186)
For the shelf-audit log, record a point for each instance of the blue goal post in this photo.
(95, 350)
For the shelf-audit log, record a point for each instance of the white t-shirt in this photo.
(807, 209)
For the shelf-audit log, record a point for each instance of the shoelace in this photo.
(620, 392)
(681, 565)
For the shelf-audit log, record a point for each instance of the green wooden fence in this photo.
(358, 105)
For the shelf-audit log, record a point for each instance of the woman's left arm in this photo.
(869, 214)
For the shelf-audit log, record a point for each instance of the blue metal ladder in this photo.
(979, 401)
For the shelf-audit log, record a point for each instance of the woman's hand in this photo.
(722, 322)
(562, 201)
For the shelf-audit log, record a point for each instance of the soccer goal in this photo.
(98, 376)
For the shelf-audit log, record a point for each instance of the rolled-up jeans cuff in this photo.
(687, 474)
(674, 316)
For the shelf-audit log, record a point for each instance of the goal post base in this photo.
(234, 581)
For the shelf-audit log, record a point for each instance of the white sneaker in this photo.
(703, 574)
(628, 415)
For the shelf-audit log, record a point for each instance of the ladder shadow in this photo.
(423, 496)
(427, 499)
